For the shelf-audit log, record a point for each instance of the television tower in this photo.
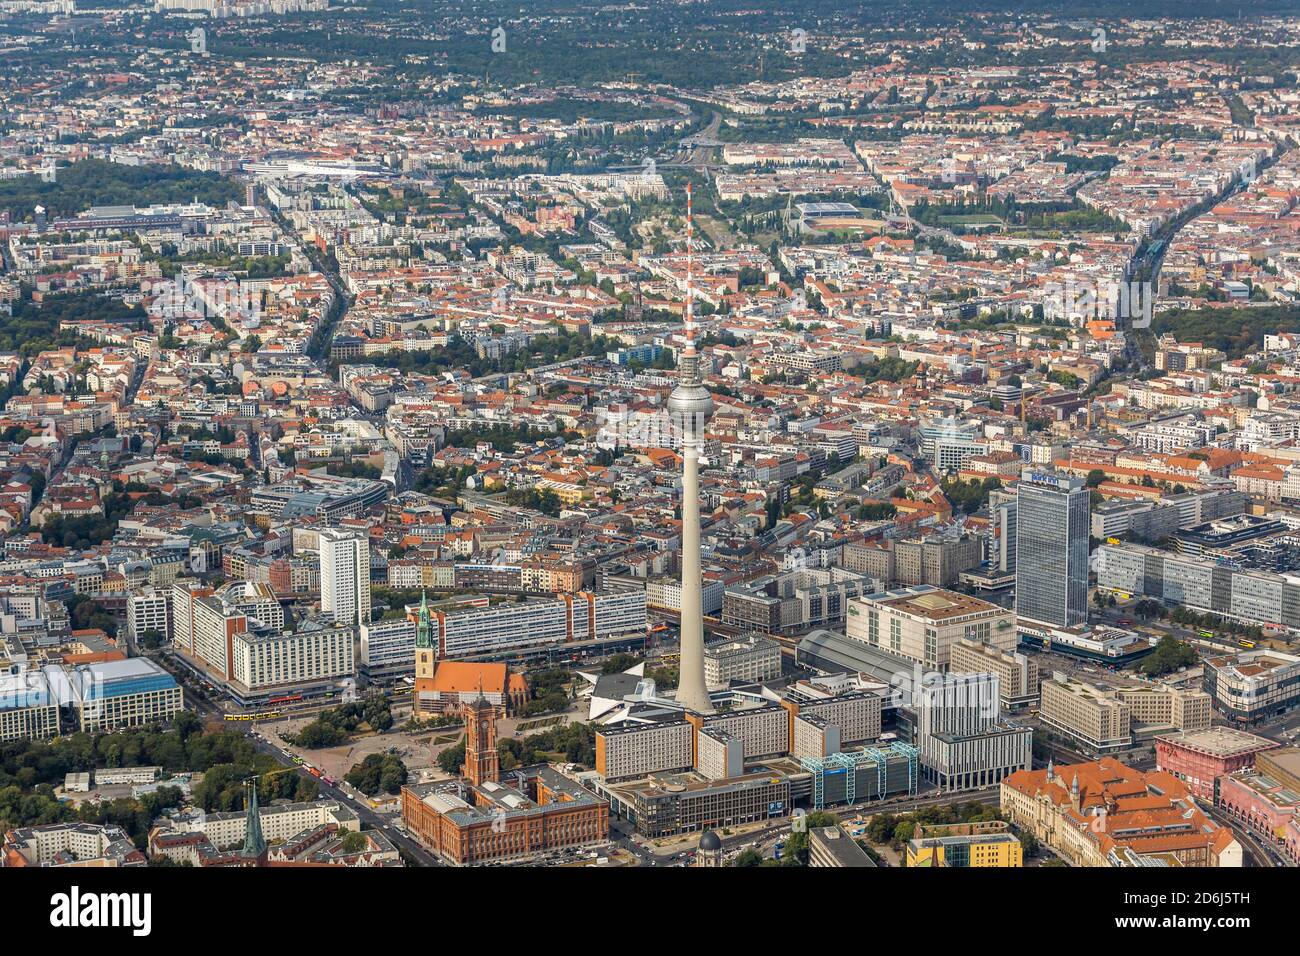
(690, 406)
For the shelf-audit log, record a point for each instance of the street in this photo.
(368, 817)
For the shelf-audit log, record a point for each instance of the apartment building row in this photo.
(1254, 597)
(1104, 720)
(719, 745)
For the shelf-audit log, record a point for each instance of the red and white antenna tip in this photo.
(690, 276)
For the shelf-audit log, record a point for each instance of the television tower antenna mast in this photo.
(690, 406)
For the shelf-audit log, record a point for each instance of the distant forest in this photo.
(95, 182)
(34, 327)
(1233, 331)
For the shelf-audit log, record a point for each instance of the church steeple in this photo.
(423, 629)
(426, 656)
(254, 843)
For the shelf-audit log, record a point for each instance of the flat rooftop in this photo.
(660, 784)
(1219, 741)
(1254, 663)
(934, 604)
(1272, 790)
(1287, 760)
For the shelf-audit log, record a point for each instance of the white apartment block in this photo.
(507, 627)
(763, 731)
(260, 661)
(638, 749)
(857, 714)
(214, 629)
(666, 592)
(345, 576)
(815, 737)
(388, 647)
(226, 830)
(184, 594)
(256, 601)
(719, 755)
(147, 612)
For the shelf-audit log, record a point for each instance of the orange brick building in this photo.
(480, 819)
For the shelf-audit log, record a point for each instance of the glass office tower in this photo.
(1052, 549)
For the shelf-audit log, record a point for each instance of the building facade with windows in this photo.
(922, 623)
(345, 576)
(1052, 526)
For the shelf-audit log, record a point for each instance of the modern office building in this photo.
(948, 443)
(1152, 520)
(1095, 719)
(115, 695)
(345, 576)
(1017, 673)
(104, 696)
(1259, 598)
(922, 623)
(964, 743)
(28, 707)
(1052, 549)
(331, 499)
(854, 776)
(1253, 686)
(148, 611)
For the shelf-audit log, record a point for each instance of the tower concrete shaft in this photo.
(691, 690)
(690, 405)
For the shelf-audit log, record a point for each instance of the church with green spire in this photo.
(254, 848)
(423, 629)
(426, 653)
